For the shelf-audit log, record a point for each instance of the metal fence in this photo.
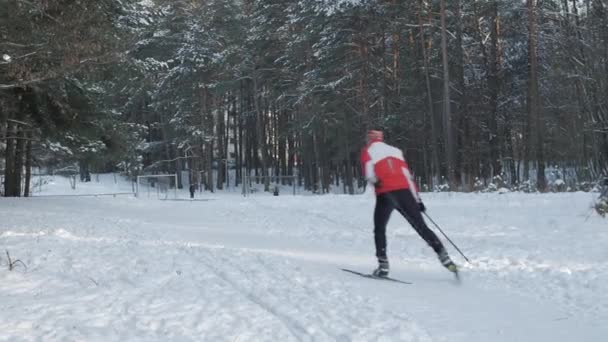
(248, 188)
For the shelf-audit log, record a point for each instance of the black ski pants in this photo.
(406, 205)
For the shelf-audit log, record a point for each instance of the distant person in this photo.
(385, 168)
(192, 190)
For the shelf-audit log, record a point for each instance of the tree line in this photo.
(475, 92)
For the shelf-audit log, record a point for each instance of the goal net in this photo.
(157, 186)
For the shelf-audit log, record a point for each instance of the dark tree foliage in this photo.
(477, 93)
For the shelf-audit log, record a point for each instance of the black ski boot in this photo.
(445, 260)
(382, 270)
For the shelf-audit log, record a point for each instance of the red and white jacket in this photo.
(384, 164)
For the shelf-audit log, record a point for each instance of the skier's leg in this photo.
(407, 205)
(382, 213)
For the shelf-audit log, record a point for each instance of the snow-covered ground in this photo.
(267, 268)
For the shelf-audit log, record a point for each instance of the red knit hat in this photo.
(375, 135)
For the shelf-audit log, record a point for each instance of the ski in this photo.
(371, 276)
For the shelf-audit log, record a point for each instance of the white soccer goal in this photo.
(159, 186)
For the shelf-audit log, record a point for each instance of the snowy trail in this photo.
(268, 269)
(469, 313)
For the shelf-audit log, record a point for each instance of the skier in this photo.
(385, 168)
(192, 190)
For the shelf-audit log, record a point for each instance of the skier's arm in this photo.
(368, 167)
(412, 184)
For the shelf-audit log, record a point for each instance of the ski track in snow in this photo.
(268, 269)
(258, 294)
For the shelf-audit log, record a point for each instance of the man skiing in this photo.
(385, 168)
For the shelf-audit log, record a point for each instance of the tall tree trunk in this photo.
(291, 147)
(348, 167)
(178, 168)
(18, 165)
(396, 41)
(435, 166)
(494, 89)
(28, 165)
(462, 153)
(534, 107)
(325, 162)
(385, 98)
(165, 142)
(260, 132)
(282, 141)
(208, 126)
(447, 109)
(308, 162)
(600, 15)
(364, 82)
(208, 156)
(9, 158)
(316, 176)
(222, 157)
(238, 139)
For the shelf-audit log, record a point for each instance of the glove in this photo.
(421, 207)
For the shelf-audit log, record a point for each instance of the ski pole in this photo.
(453, 244)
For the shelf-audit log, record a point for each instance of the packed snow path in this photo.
(268, 269)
